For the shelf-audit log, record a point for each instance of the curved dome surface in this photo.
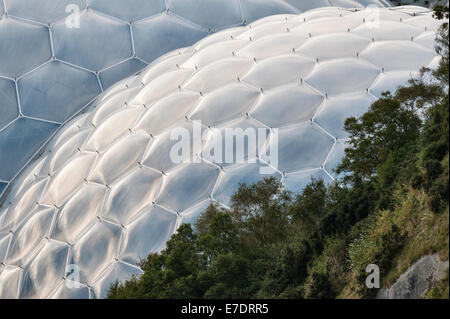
(106, 190)
(58, 55)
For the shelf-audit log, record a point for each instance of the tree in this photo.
(389, 128)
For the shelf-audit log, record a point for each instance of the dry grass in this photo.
(423, 233)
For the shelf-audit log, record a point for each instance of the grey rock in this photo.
(417, 280)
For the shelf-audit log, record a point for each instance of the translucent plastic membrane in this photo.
(58, 55)
(106, 191)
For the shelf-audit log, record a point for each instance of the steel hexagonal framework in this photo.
(107, 40)
(106, 192)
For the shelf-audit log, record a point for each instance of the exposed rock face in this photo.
(416, 281)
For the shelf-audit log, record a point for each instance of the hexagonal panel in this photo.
(10, 277)
(21, 210)
(308, 4)
(219, 51)
(68, 179)
(167, 113)
(18, 40)
(2, 187)
(160, 87)
(46, 271)
(277, 71)
(112, 129)
(118, 72)
(236, 142)
(216, 14)
(66, 150)
(226, 104)
(96, 250)
(198, 178)
(340, 45)
(71, 291)
(210, 77)
(119, 159)
(252, 9)
(336, 110)
(273, 46)
(79, 213)
(287, 105)
(191, 215)
(108, 38)
(392, 30)
(343, 76)
(335, 157)
(130, 195)
(4, 245)
(29, 236)
(117, 271)
(302, 147)
(147, 234)
(298, 181)
(19, 141)
(56, 91)
(44, 11)
(158, 35)
(390, 81)
(9, 109)
(126, 10)
(405, 55)
(234, 176)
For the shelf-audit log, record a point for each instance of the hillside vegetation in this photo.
(389, 208)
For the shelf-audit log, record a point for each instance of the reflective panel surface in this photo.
(57, 55)
(116, 181)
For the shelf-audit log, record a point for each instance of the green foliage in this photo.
(439, 292)
(320, 287)
(442, 73)
(383, 132)
(260, 212)
(380, 242)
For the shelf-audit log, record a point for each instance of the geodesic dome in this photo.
(57, 55)
(106, 192)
